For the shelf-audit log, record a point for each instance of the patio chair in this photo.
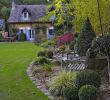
(6, 38)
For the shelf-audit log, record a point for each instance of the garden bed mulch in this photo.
(41, 83)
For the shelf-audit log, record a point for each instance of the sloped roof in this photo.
(37, 11)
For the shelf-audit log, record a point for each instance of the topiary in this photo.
(88, 92)
(87, 77)
(49, 54)
(1, 37)
(41, 53)
(71, 93)
(22, 37)
(85, 38)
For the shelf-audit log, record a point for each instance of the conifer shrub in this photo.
(88, 92)
(22, 37)
(85, 38)
(87, 77)
(1, 37)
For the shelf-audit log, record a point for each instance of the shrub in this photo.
(52, 42)
(85, 38)
(58, 83)
(87, 77)
(88, 92)
(47, 67)
(71, 93)
(41, 61)
(49, 54)
(41, 53)
(22, 37)
(72, 45)
(1, 37)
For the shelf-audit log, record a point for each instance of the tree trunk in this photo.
(108, 59)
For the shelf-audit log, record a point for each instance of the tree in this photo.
(5, 12)
(102, 44)
(85, 38)
(63, 13)
(83, 10)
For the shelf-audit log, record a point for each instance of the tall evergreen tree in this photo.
(85, 38)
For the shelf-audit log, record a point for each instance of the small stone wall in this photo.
(37, 83)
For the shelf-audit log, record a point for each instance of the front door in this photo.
(31, 34)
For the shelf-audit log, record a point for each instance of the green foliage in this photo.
(41, 53)
(83, 10)
(63, 13)
(5, 12)
(72, 45)
(88, 92)
(49, 54)
(44, 43)
(47, 67)
(1, 37)
(87, 77)
(22, 37)
(60, 82)
(101, 44)
(41, 61)
(85, 38)
(71, 93)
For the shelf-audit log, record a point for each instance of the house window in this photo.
(51, 32)
(25, 16)
(31, 33)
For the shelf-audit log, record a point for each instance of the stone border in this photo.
(35, 81)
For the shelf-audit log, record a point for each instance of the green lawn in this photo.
(14, 82)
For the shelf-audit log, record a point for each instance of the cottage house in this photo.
(25, 19)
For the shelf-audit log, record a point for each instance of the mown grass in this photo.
(14, 82)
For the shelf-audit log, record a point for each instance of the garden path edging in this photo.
(38, 85)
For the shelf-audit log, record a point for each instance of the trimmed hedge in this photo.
(87, 77)
(71, 93)
(88, 92)
(22, 37)
(1, 37)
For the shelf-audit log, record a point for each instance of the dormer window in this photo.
(25, 14)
